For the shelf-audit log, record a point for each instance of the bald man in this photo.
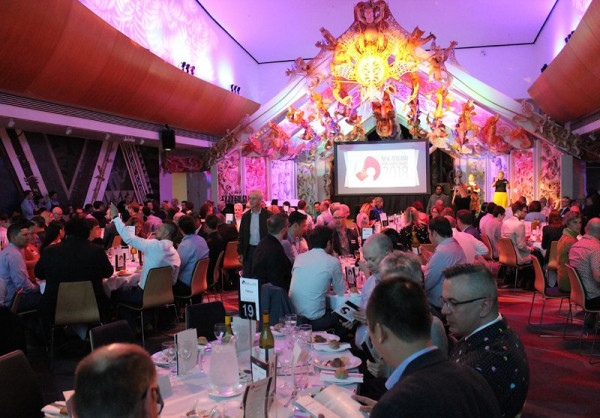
(117, 380)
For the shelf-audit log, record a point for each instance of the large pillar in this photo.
(566, 176)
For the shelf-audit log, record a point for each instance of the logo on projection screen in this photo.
(370, 167)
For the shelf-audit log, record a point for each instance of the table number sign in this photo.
(249, 299)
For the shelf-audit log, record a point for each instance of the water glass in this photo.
(169, 352)
(305, 335)
(186, 349)
(224, 377)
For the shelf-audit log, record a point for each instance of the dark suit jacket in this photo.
(271, 264)
(352, 241)
(245, 229)
(432, 386)
(498, 355)
(73, 260)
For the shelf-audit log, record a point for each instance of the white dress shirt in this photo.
(313, 272)
(470, 245)
(514, 229)
(157, 253)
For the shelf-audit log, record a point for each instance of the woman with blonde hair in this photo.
(414, 229)
(362, 219)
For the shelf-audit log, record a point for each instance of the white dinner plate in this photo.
(321, 362)
(328, 337)
(237, 391)
(159, 359)
(325, 347)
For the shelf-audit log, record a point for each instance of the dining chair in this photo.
(115, 332)
(231, 260)
(507, 256)
(577, 298)
(198, 284)
(490, 255)
(75, 304)
(553, 257)
(218, 277)
(158, 292)
(116, 241)
(20, 392)
(545, 291)
(203, 317)
(428, 247)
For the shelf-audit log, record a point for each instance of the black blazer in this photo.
(245, 229)
(270, 263)
(73, 260)
(352, 241)
(432, 386)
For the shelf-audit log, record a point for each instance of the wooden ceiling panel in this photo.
(569, 88)
(62, 52)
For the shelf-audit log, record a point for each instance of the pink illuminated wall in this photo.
(521, 179)
(256, 175)
(180, 30)
(228, 175)
(549, 172)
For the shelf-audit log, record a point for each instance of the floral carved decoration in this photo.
(256, 175)
(521, 181)
(549, 173)
(228, 175)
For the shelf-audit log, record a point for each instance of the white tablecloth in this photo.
(188, 389)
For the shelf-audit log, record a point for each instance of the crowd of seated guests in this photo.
(405, 310)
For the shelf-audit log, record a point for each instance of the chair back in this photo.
(217, 271)
(203, 317)
(76, 304)
(540, 281)
(507, 254)
(115, 332)
(14, 306)
(116, 241)
(276, 301)
(2, 292)
(486, 240)
(553, 256)
(198, 284)
(159, 288)
(231, 259)
(428, 247)
(20, 393)
(577, 295)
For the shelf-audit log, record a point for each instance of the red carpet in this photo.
(562, 382)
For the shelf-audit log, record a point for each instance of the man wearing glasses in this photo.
(470, 303)
(117, 380)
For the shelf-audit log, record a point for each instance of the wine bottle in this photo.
(266, 341)
(415, 243)
(228, 329)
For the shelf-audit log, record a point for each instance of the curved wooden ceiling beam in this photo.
(569, 88)
(62, 52)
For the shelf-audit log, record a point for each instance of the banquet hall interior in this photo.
(194, 105)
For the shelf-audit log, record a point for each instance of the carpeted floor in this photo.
(563, 383)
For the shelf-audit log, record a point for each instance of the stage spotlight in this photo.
(11, 123)
(106, 136)
(69, 131)
(544, 68)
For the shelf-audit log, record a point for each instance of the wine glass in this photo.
(220, 331)
(169, 352)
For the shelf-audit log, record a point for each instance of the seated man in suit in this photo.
(424, 383)
(270, 263)
(487, 344)
(345, 240)
(117, 380)
(73, 259)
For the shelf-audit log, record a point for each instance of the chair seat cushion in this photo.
(555, 292)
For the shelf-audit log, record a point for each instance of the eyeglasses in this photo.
(159, 399)
(451, 304)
